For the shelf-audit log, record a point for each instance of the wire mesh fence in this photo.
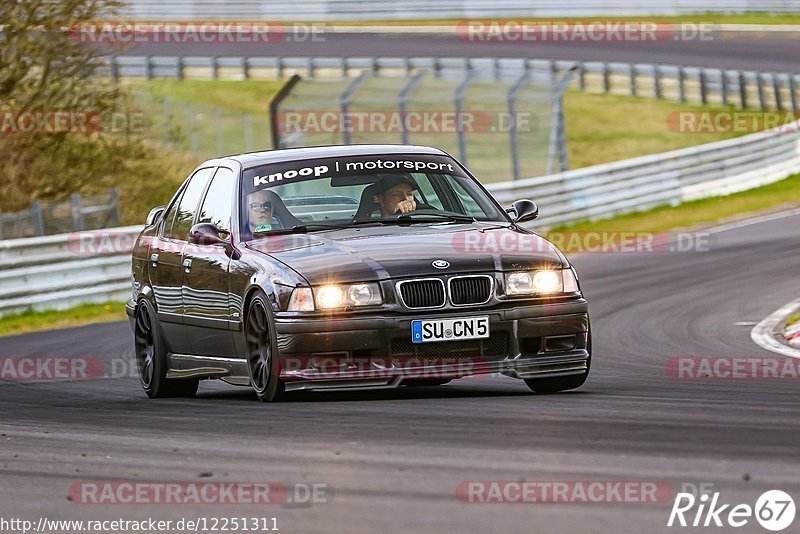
(80, 212)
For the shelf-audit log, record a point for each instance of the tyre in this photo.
(562, 383)
(261, 343)
(151, 358)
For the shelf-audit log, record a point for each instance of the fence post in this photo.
(581, 76)
(703, 87)
(682, 83)
(179, 68)
(344, 102)
(248, 133)
(657, 81)
(458, 98)
(632, 68)
(743, 89)
(762, 101)
(279, 67)
(192, 124)
(606, 77)
(793, 93)
(512, 113)
(246, 68)
(36, 215)
(77, 217)
(214, 68)
(148, 68)
(311, 67)
(113, 198)
(402, 104)
(724, 81)
(114, 69)
(776, 86)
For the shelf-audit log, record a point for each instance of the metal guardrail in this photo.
(64, 270)
(413, 9)
(744, 88)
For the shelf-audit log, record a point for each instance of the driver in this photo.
(395, 194)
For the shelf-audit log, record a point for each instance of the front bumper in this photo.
(543, 340)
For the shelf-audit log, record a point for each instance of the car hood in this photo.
(376, 253)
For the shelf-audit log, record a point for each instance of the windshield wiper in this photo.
(420, 217)
(302, 229)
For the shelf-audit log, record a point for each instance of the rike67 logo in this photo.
(774, 510)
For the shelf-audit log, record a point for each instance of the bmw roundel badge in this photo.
(441, 264)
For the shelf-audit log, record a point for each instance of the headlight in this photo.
(340, 296)
(541, 282)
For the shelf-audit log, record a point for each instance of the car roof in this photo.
(252, 159)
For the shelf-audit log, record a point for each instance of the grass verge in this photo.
(699, 212)
(34, 321)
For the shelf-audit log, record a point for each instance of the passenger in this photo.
(259, 211)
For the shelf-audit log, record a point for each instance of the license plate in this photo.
(427, 331)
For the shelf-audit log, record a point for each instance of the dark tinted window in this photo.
(217, 204)
(188, 204)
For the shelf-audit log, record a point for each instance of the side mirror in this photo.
(206, 234)
(524, 210)
(154, 215)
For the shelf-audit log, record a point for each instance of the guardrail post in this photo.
(743, 90)
(682, 83)
(148, 68)
(703, 86)
(632, 84)
(762, 101)
(214, 68)
(657, 82)
(793, 92)
(246, 68)
(437, 67)
(77, 216)
(311, 67)
(581, 76)
(606, 77)
(36, 215)
(179, 66)
(776, 86)
(724, 86)
(279, 67)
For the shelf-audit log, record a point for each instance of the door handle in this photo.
(187, 264)
(154, 259)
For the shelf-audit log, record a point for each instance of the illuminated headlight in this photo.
(541, 282)
(340, 296)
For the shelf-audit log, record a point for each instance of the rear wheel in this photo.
(562, 383)
(262, 362)
(151, 358)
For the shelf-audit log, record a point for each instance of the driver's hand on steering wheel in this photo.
(406, 206)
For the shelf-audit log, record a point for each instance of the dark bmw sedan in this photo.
(349, 267)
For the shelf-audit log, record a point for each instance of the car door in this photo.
(166, 270)
(206, 298)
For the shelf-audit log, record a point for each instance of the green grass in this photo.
(33, 321)
(245, 96)
(793, 319)
(699, 212)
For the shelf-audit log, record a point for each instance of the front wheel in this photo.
(262, 361)
(151, 358)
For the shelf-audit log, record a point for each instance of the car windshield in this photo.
(319, 194)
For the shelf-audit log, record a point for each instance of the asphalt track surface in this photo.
(392, 460)
(758, 51)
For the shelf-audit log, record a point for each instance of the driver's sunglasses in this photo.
(258, 206)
